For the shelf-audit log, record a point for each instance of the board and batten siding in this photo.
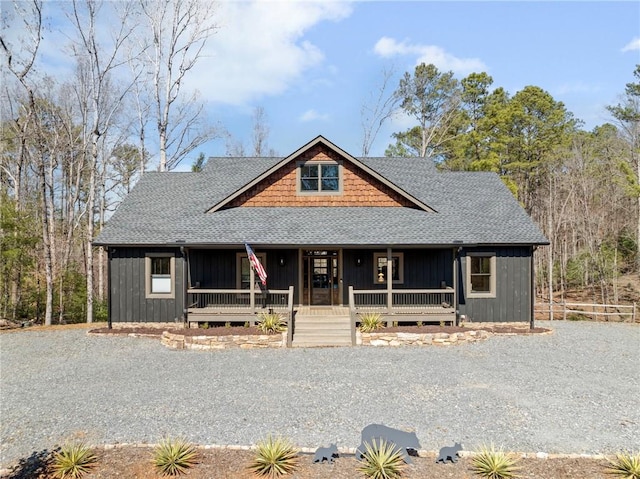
(512, 302)
(218, 269)
(128, 302)
(423, 269)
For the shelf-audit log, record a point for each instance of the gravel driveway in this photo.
(574, 391)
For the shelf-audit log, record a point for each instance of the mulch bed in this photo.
(132, 462)
(147, 331)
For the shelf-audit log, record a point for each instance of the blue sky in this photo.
(583, 53)
(311, 66)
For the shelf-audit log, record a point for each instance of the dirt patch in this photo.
(135, 462)
(12, 327)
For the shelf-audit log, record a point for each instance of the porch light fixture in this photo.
(282, 261)
(358, 261)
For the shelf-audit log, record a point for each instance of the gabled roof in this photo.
(319, 140)
(451, 208)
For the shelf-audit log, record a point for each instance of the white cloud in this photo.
(313, 115)
(632, 45)
(388, 47)
(259, 48)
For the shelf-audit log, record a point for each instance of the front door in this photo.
(321, 282)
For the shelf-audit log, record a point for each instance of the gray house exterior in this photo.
(392, 235)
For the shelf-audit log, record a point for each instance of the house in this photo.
(333, 231)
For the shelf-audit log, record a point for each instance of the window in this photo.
(243, 279)
(319, 178)
(380, 268)
(160, 275)
(481, 276)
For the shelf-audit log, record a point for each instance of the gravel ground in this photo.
(574, 391)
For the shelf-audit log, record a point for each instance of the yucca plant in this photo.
(73, 460)
(174, 456)
(625, 465)
(382, 460)
(275, 457)
(494, 463)
(370, 322)
(270, 323)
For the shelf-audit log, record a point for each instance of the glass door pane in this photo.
(321, 292)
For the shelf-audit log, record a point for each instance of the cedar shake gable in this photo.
(360, 186)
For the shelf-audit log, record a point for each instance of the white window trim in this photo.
(263, 260)
(400, 257)
(492, 278)
(147, 274)
(299, 190)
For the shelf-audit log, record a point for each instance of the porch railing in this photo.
(418, 304)
(222, 305)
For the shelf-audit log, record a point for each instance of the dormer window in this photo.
(319, 177)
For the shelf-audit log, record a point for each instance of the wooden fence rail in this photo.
(593, 310)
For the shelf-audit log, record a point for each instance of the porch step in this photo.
(321, 331)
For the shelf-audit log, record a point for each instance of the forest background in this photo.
(71, 149)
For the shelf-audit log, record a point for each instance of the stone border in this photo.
(419, 339)
(208, 343)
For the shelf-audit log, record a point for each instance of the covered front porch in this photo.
(404, 285)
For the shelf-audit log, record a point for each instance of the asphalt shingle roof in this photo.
(470, 207)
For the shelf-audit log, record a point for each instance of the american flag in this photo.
(255, 264)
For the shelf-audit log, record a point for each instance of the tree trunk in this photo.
(91, 222)
(48, 261)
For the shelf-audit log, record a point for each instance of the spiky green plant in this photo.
(174, 456)
(275, 457)
(494, 463)
(73, 460)
(270, 323)
(370, 322)
(625, 465)
(382, 460)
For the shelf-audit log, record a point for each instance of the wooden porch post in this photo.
(389, 285)
(252, 289)
(455, 285)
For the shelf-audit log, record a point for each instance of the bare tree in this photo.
(179, 31)
(260, 132)
(381, 106)
(19, 62)
(234, 147)
(142, 105)
(103, 103)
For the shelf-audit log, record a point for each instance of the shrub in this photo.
(370, 322)
(174, 456)
(100, 311)
(270, 323)
(275, 457)
(73, 461)
(625, 465)
(382, 460)
(493, 463)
